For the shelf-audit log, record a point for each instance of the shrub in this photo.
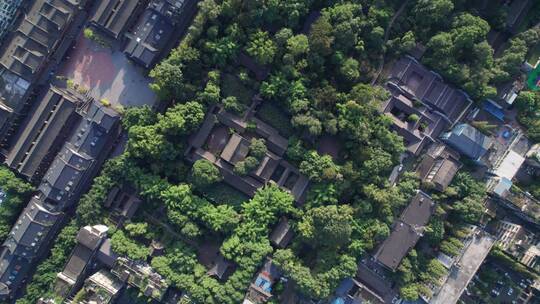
(105, 102)
(204, 173)
(231, 104)
(89, 33)
(413, 118)
(257, 148)
(245, 166)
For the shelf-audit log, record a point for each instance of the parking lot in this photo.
(505, 289)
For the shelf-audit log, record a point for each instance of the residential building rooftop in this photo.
(439, 166)
(468, 140)
(406, 231)
(8, 13)
(225, 150)
(114, 16)
(69, 175)
(416, 82)
(40, 36)
(422, 105)
(43, 134)
(282, 233)
(153, 31)
(71, 278)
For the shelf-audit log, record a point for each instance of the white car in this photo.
(510, 291)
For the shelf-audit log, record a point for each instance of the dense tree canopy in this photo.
(310, 64)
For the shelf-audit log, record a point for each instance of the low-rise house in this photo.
(115, 16)
(468, 141)
(422, 105)
(368, 286)
(153, 31)
(106, 255)
(43, 134)
(463, 270)
(68, 177)
(516, 14)
(100, 288)
(40, 39)
(71, 278)
(282, 234)
(508, 233)
(531, 257)
(439, 166)
(221, 268)
(123, 203)
(140, 275)
(260, 290)
(510, 91)
(406, 231)
(214, 143)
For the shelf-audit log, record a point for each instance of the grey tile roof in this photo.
(236, 147)
(39, 36)
(70, 172)
(48, 125)
(282, 233)
(114, 16)
(417, 81)
(439, 166)
(406, 231)
(150, 35)
(41, 29)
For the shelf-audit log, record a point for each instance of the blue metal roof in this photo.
(493, 109)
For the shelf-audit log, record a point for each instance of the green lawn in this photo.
(232, 86)
(222, 193)
(533, 54)
(275, 117)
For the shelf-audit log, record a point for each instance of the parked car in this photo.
(510, 291)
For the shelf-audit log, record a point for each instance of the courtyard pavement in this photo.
(107, 74)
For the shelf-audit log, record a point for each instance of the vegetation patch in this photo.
(232, 86)
(275, 117)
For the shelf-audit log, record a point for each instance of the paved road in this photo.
(459, 278)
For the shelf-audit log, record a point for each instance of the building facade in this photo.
(69, 176)
(8, 12)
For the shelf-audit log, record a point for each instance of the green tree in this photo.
(14, 194)
(321, 36)
(261, 47)
(350, 69)
(204, 174)
(319, 167)
(430, 14)
(435, 231)
(168, 80)
(327, 226)
(409, 292)
(138, 116)
(121, 244)
(221, 50)
(137, 229)
(257, 148)
(298, 45)
(307, 122)
(181, 119)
